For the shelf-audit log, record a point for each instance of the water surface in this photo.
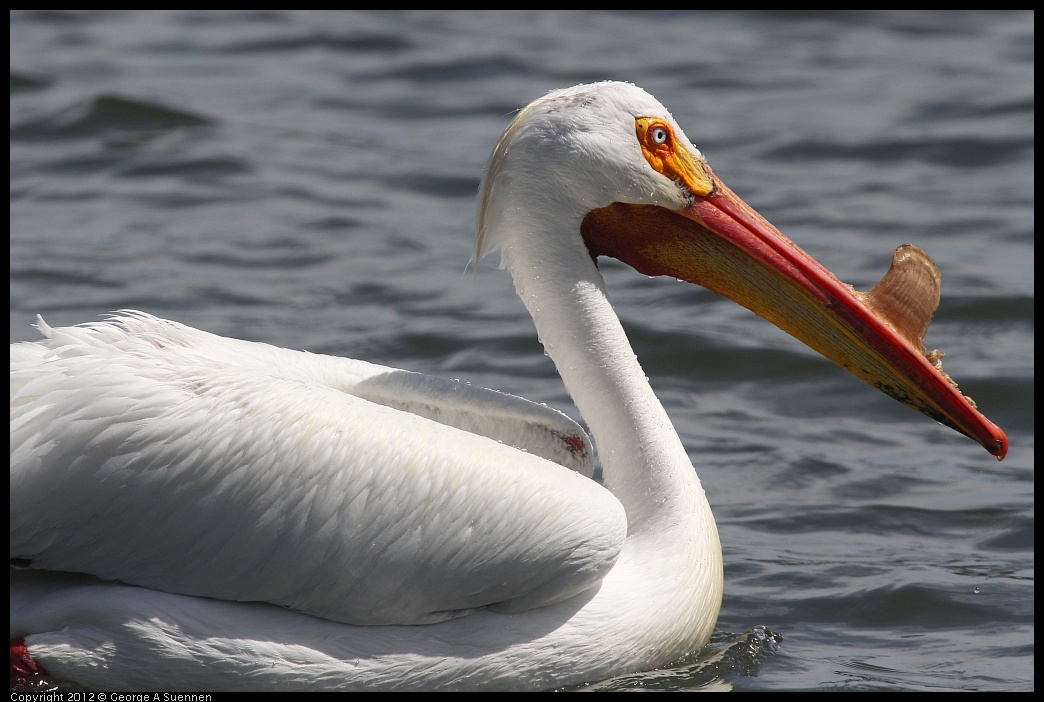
(308, 179)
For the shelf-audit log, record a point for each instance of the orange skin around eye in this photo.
(672, 159)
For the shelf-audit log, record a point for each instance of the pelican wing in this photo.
(315, 498)
(509, 419)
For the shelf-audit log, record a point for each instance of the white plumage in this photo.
(278, 519)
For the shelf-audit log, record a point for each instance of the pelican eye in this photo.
(654, 135)
(671, 158)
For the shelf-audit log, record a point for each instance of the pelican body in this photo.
(190, 512)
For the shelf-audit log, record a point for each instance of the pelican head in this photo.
(582, 148)
(608, 162)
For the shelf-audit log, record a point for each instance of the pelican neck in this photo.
(643, 461)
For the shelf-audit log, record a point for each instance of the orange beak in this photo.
(721, 243)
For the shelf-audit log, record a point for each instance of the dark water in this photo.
(308, 179)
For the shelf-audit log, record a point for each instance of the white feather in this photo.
(209, 472)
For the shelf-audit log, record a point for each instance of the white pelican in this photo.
(195, 512)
